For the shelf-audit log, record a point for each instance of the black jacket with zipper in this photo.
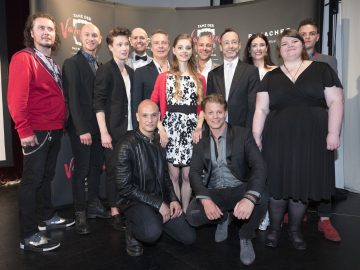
(142, 172)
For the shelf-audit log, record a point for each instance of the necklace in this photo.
(293, 77)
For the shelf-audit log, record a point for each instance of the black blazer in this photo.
(78, 81)
(144, 81)
(243, 159)
(110, 97)
(242, 96)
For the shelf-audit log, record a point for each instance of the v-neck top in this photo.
(294, 136)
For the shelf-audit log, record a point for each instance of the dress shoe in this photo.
(247, 253)
(96, 209)
(274, 240)
(298, 236)
(39, 243)
(329, 231)
(286, 218)
(133, 247)
(81, 224)
(222, 230)
(118, 222)
(55, 223)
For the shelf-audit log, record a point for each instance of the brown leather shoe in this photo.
(329, 231)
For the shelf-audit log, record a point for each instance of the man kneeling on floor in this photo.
(147, 195)
(221, 178)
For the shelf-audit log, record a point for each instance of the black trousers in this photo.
(147, 225)
(35, 187)
(88, 162)
(111, 191)
(324, 208)
(226, 199)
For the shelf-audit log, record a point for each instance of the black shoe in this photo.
(81, 223)
(55, 223)
(133, 247)
(272, 242)
(118, 222)
(96, 209)
(39, 243)
(298, 245)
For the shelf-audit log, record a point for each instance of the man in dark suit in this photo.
(112, 105)
(78, 79)
(145, 77)
(227, 173)
(235, 80)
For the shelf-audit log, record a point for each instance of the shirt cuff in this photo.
(257, 194)
(97, 111)
(202, 197)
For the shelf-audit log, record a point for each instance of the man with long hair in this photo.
(37, 106)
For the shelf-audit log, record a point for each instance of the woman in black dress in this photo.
(298, 134)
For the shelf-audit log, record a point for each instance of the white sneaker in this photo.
(265, 222)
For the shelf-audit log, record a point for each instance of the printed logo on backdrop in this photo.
(206, 30)
(271, 35)
(71, 29)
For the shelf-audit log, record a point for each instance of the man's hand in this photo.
(243, 209)
(106, 140)
(212, 211)
(165, 212)
(29, 141)
(175, 210)
(86, 139)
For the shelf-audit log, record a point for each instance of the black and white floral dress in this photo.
(180, 120)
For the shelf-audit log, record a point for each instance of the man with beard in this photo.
(235, 80)
(78, 78)
(139, 42)
(204, 48)
(145, 77)
(37, 106)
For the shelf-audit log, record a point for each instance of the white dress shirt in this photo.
(128, 94)
(229, 72)
(159, 68)
(139, 63)
(207, 69)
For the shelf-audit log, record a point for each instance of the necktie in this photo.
(137, 58)
(228, 81)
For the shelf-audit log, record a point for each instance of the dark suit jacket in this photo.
(241, 101)
(144, 81)
(78, 80)
(243, 159)
(110, 97)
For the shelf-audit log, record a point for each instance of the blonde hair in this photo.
(192, 68)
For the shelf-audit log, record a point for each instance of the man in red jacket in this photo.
(37, 106)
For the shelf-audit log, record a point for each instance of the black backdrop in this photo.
(268, 16)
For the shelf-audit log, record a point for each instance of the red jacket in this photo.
(159, 93)
(35, 100)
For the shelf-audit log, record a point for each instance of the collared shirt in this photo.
(128, 94)
(139, 63)
(159, 68)
(92, 60)
(221, 175)
(207, 69)
(312, 54)
(229, 72)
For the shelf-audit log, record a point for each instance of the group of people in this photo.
(242, 147)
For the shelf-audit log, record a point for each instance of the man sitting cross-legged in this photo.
(147, 196)
(227, 173)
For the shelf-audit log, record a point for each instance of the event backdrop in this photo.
(270, 17)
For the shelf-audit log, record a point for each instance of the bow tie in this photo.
(137, 58)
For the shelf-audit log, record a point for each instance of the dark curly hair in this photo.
(117, 31)
(309, 22)
(267, 59)
(29, 25)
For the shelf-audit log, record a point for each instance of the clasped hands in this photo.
(242, 210)
(174, 211)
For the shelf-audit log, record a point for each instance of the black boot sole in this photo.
(95, 216)
(134, 254)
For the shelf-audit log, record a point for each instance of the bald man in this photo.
(147, 196)
(78, 80)
(139, 42)
(204, 49)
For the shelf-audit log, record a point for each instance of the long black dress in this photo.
(294, 137)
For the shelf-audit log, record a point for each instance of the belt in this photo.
(182, 109)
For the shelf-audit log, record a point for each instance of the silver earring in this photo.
(250, 55)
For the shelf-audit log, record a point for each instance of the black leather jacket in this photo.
(142, 172)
